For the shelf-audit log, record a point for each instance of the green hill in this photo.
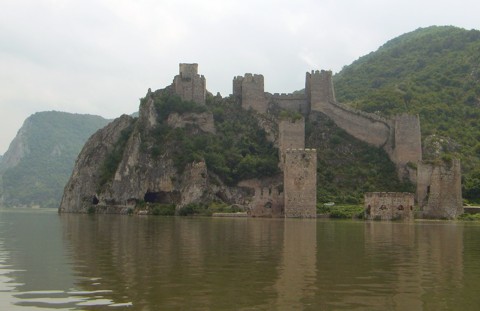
(40, 159)
(433, 72)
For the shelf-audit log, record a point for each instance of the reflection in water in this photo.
(298, 266)
(82, 262)
(186, 263)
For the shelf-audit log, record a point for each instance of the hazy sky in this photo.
(101, 56)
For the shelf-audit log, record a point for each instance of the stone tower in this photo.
(439, 189)
(189, 85)
(291, 135)
(250, 91)
(300, 183)
(407, 145)
(319, 89)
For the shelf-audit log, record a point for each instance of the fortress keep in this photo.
(189, 85)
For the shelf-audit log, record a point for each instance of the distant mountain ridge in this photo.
(433, 72)
(39, 161)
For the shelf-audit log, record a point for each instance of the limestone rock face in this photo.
(137, 174)
(81, 189)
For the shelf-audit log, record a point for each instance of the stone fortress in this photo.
(438, 184)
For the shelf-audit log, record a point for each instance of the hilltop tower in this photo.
(189, 85)
(319, 89)
(250, 91)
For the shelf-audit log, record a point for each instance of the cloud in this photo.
(100, 56)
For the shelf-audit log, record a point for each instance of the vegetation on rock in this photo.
(53, 140)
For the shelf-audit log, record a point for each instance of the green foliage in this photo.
(469, 217)
(167, 103)
(53, 140)
(239, 149)
(347, 167)
(163, 209)
(194, 209)
(341, 211)
(432, 72)
(290, 115)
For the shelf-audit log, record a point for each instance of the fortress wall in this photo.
(369, 130)
(295, 103)
(389, 205)
(268, 198)
(439, 189)
(300, 183)
(363, 126)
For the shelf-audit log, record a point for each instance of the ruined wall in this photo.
(363, 126)
(189, 85)
(389, 205)
(400, 137)
(439, 189)
(250, 90)
(300, 183)
(268, 198)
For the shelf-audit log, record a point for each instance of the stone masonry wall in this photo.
(389, 205)
(268, 198)
(363, 126)
(407, 146)
(291, 135)
(300, 183)
(251, 88)
(189, 85)
(399, 137)
(319, 88)
(439, 189)
(291, 102)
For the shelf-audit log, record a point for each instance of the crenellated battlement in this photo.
(287, 96)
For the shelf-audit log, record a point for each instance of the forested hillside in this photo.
(39, 161)
(433, 72)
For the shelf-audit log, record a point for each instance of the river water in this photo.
(85, 262)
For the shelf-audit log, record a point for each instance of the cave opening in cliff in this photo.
(95, 200)
(161, 197)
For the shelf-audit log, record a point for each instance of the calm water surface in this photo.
(82, 262)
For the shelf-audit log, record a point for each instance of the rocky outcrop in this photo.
(138, 175)
(82, 189)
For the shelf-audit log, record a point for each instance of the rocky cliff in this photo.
(133, 161)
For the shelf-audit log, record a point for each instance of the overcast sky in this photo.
(101, 56)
